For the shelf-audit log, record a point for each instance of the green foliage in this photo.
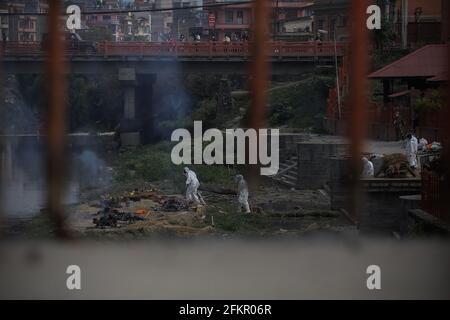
(244, 223)
(206, 111)
(93, 102)
(431, 100)
(387, 35)
(153, 163)
(33, 88)
(301, 105)
(202, 86)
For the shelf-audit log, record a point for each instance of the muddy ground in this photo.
(276, 211)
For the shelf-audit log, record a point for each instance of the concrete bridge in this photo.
(137, 65)
(286, 58)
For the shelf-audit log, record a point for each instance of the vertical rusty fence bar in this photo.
(358, 74)
(259, 73)
(2, 77)
(56, 119)
(445, 191)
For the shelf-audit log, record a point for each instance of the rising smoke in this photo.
(22, 151)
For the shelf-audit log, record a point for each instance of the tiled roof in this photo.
(430, 61)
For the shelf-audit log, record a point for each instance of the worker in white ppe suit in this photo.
(368, 169)
(242, 194)
(192, 185)
(415, 142)
(411, 150)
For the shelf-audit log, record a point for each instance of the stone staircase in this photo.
(288, 173)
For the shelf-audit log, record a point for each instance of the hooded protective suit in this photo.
(411, 151)
(192, 185)
(368, 169)
(242, 194)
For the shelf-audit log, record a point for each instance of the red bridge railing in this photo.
(188, 49)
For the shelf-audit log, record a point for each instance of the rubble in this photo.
(134, 196)
(110, 218)
(395, 166)
(175, 204)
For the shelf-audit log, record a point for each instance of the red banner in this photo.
(212, 20)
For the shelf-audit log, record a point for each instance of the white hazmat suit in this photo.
(411, 151)
(368, 169)
(192, 185)
(242, 194)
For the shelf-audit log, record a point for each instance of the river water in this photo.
(22, 180)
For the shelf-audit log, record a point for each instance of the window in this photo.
(342, 21)
(26, 24)
(228, 16)
(320, 24)
(333, 24)
(240, 17)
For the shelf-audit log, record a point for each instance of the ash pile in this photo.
(112, 217)
(175, 204)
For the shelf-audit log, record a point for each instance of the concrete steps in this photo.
(287, 175)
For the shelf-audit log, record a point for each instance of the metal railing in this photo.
(205, 49)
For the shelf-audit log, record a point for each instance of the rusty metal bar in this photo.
(445, 192)
(358, 103)
(56, 120)
(259, 70)
(259, 74)
(2, 48)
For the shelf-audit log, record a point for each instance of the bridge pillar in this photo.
(129, 125)
(129, 103)
(7, 161)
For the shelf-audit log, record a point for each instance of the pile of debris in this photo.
(128, 197)
(435, 165)
(110, 218)
(395, 166)
(111, 214)
(175, 204)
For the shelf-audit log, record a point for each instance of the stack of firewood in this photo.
(395, 166)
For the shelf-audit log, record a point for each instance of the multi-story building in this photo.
(188, 22)
(109, 23)
(4, 23)
(161, 21)
(425, 18)
(235, 20)
(293, 20)
(25, 27)
(332, 16)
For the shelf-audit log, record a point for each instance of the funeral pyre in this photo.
(118, 210)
